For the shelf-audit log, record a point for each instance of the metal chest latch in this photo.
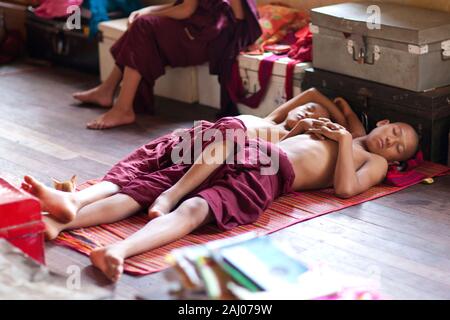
(362, 56)
(445, 50)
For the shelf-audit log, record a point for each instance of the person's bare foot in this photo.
(113, 118)
(162, 205)
(52, 228)
(100, 96)
(109, 260)
(61, 205)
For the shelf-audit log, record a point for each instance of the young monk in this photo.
(285, 120)
(185, 33)
(223, 193)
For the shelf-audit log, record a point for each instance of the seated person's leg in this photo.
(102, 95)
(122, 112)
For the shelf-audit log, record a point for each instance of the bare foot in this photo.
(61, 205)
(109, 260)
(99, 95)
(52, 228)
(113, 118)
(162, 205)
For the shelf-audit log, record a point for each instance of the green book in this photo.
(261, 262)
(236, 275)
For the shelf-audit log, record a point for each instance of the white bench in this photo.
(195, 84)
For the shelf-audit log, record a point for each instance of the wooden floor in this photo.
(402, 241)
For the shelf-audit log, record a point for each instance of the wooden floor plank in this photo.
(347, 221)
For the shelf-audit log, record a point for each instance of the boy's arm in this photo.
(349, 181)
(354, 126)
(310, 95)
(301, 127)
(298, 129)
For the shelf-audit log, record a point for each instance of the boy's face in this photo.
(393, 141)
(308, 111)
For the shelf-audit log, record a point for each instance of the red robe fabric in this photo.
(237, 193)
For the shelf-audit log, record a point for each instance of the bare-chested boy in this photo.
(182, 198)
(284, 121)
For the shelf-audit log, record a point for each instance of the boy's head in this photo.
(393, 141)
(307, 111)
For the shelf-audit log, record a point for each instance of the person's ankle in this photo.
(123, 108)
(119, 249)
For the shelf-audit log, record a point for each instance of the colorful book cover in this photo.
(263, 262)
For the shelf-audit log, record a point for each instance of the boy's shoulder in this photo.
(373, 158)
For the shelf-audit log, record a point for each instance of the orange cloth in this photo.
(276, 22)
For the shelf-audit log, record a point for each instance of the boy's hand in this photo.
(330, 130)
(307, 124)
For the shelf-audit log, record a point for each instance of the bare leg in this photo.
(108, 210)
(65, 205)
(191, 214)
(122, 112)
(102, 95)
(210, 159)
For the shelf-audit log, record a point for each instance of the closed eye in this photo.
(397, 131)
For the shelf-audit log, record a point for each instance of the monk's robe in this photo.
(237, 192)
(212, 34)
(158, 153)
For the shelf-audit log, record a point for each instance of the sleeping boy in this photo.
(181, 197)
(293, 117)
(284, 121)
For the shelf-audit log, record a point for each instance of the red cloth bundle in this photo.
(400, 176)
(301, 50)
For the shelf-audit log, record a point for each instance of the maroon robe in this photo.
(211, 34)
(237, 193)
